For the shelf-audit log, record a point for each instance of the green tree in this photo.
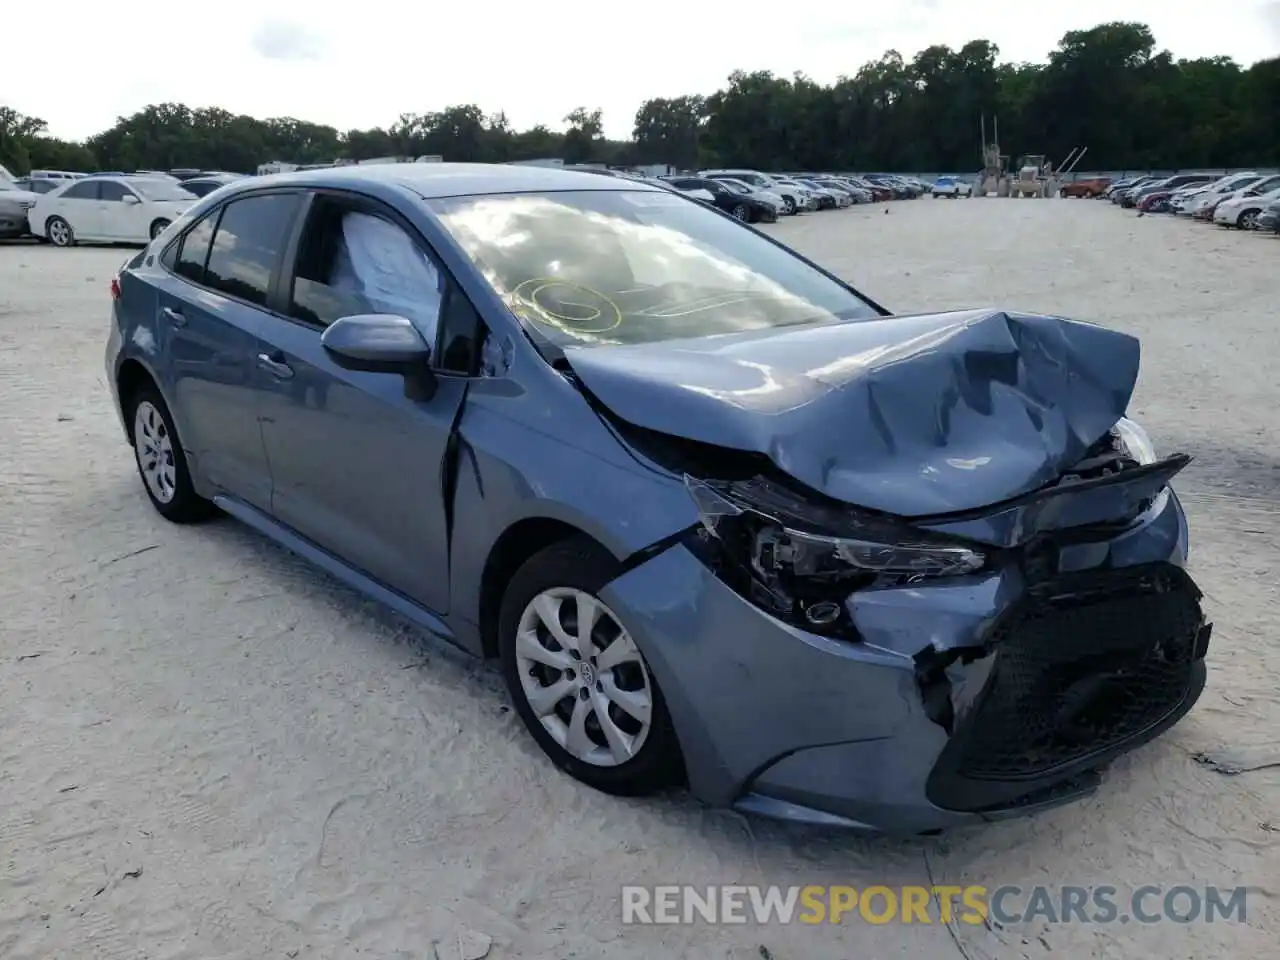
(583, 139)
(1108, 87)
(670, 131)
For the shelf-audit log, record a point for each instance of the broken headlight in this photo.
(1133, 442)
(800, 560)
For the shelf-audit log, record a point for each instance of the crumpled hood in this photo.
(913, 415)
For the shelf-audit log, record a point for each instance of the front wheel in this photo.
(158, 227)
(1248, 220)
(788, 205)
(580, 684)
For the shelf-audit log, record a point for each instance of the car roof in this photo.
(431, 180)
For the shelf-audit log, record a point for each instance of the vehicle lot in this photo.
(296, 773)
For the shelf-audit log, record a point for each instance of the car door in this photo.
(358, 466)
(121, 212)
(79, 205)
(212, 306)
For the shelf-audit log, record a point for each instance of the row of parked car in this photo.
(1248, 200)
(754, 196)
(64, 208)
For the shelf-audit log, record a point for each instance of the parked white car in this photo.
(108, 210)
(1215, 191)
(805, 197)
(951, 187)
(55, 175)
(1183, 197)
(838, 198)
(1243, 208)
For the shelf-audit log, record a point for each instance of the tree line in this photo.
(1108, 87)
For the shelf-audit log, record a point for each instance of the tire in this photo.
(788, 206)
(158, 227)
(151, 429)
(59, 232)
(558, 578)
(1248, 219)
(741, 212)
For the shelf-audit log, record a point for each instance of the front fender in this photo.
(577, 473)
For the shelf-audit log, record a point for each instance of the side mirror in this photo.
(377, 343)
(130, 199)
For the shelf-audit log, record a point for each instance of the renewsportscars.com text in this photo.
(971, 904)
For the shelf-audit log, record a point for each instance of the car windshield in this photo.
(159, 190)
(611, 267)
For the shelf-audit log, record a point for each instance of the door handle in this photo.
(174, 316)
(277, 368)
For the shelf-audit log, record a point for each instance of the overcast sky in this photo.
(363, 63)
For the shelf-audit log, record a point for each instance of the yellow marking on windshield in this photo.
(594, 320)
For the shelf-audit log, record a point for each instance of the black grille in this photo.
(1083, 667)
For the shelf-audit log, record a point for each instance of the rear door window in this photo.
(84, 190)
(247, 245)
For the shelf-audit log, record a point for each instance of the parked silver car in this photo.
(14, 205)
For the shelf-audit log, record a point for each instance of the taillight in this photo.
(115, 288)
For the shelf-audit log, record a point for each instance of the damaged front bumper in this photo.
(963, 699)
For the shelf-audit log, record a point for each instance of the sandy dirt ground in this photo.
(208, 750)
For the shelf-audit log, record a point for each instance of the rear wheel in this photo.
(742, 212)
(162, 465)
(788, 205)
(59, 232)
(580, 684)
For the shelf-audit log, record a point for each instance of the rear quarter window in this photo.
(187, 258)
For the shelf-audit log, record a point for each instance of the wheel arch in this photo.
(131, 376)
(519, 542)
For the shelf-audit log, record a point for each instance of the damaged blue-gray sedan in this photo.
(722, 519)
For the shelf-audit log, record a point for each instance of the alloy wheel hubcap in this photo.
(154, 449)
(583, 677)
(58, 230)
